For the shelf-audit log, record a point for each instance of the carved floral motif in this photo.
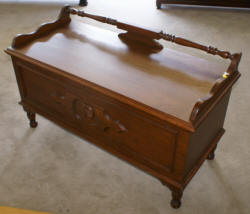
(82, 110)
(115, 124)
(86, 114)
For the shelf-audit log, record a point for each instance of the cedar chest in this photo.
(158, 109)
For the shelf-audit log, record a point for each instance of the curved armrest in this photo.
(222, 85)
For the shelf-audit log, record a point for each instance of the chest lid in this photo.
(170, 83)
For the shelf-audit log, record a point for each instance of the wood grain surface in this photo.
(168, 81)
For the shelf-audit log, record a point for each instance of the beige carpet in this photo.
(49, 169)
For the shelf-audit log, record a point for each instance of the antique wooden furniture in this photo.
(220, 3)
(158, 109)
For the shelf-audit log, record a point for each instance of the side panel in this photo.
(133, 135)
(200, 141)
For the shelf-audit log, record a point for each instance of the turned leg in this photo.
(83, 3)
(32, 118)
(211, 155)
(158, 4)
(176, 195)
(176, 198)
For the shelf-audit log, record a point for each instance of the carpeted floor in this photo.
(49, 169)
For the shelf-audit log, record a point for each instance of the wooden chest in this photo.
(158, 109)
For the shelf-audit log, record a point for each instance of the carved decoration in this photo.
(64, 99)
(95, 116)
(115, 124)
(58, 98)
(82, 110)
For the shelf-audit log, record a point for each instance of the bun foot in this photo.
(211, 156)
(176, 198)
(176, 195)
(33, 124)
(175, 203)
(32, 118)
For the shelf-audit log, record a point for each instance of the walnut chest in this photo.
(158, 109)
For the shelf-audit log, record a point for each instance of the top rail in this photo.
(152, 34)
